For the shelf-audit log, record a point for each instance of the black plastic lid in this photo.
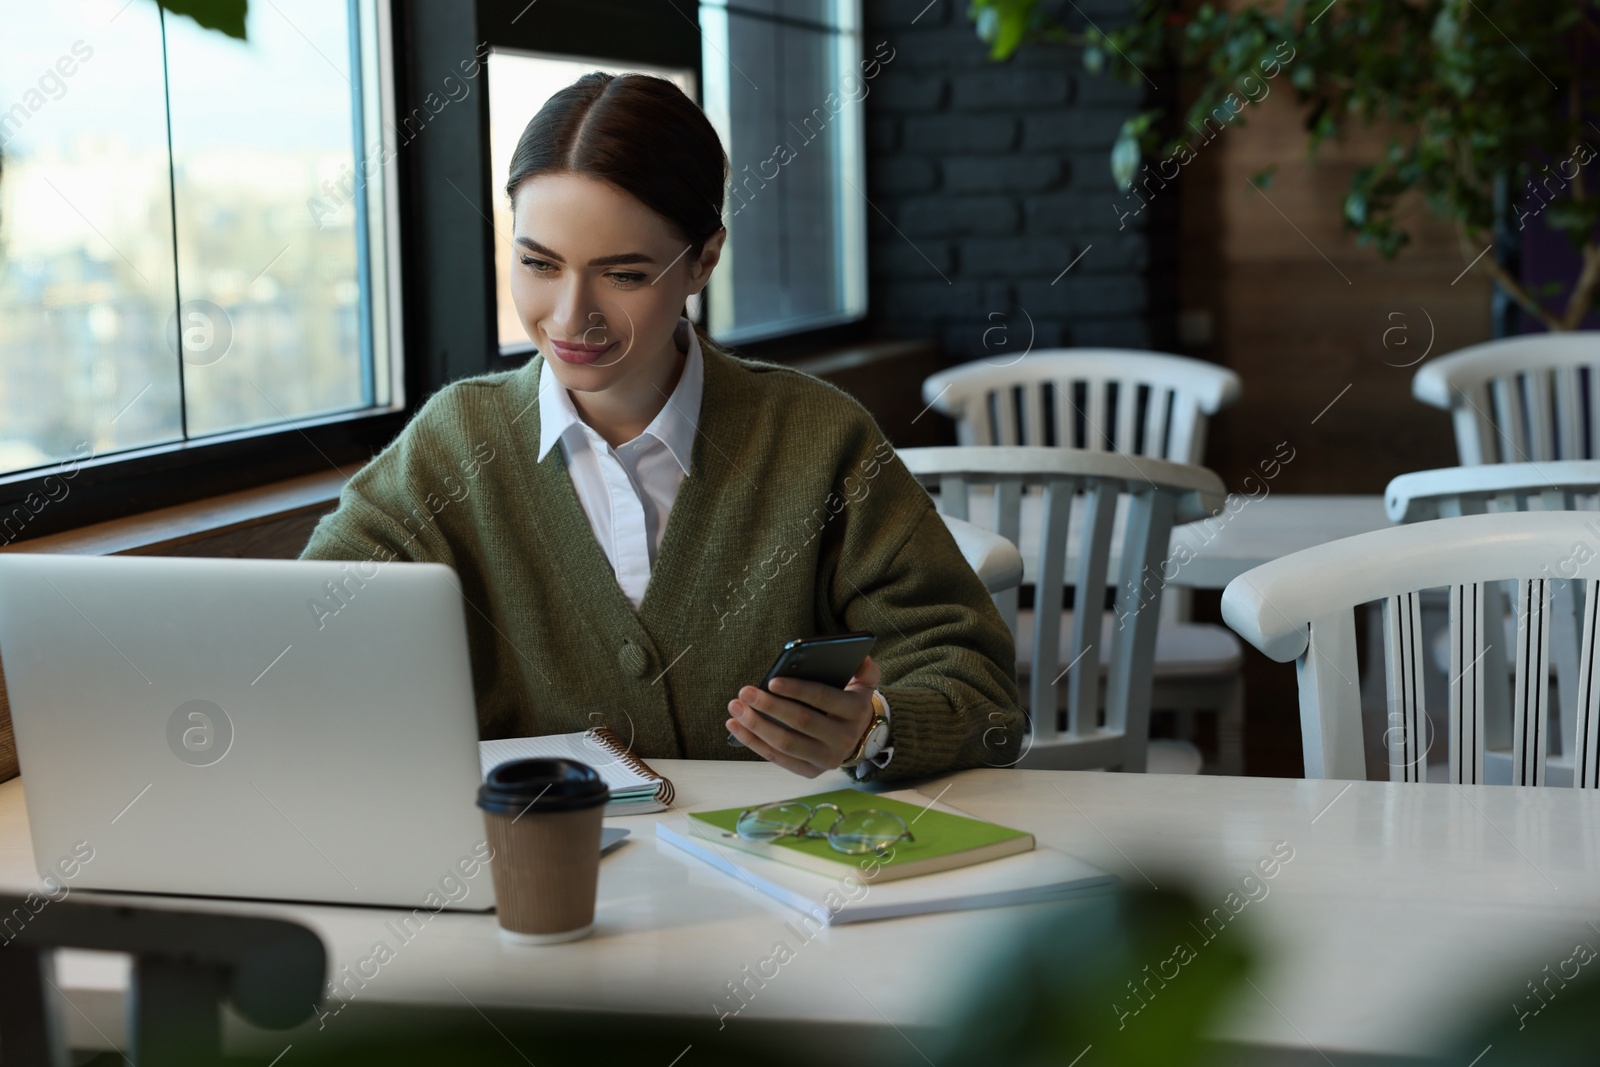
(537, 785)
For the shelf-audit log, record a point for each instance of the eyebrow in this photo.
(598, 261)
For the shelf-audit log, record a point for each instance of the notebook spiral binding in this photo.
(607, 739)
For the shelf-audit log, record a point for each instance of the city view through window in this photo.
(184, 247)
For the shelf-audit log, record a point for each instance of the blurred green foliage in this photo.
(1479, 92)
(1137, 976)
(224, 16)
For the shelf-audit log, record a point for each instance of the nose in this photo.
(577, 317)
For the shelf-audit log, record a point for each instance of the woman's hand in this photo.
(822, 726)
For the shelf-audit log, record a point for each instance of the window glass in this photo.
(785, 95)
(86, 264)
(263, 136)
(193, 229)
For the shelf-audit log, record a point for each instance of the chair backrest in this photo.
(1523, 399)
(1159, 493)
(1301, 608)
(1097, 399)
(1562, 485)
(185, 966)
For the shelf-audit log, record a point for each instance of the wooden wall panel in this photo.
(1300, 311)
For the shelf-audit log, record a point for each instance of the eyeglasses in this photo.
(855, 833)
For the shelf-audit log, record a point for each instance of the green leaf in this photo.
(1125, 156)
(1262, 179)
(1446, 31)
(1002, 24)
(225, 16)
(988, 25)
(1355, 207)
(1009, 36)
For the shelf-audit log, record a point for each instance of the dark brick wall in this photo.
(987, 179)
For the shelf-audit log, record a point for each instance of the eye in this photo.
(627, 277)
(538, 265)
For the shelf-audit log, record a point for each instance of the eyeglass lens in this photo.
(774, 820)
(866, 831)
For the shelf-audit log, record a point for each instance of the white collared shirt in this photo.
(627, 492)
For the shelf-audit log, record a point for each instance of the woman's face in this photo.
(599, 280)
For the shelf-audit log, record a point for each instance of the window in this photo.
(195, 231)
(784, 89)
(795, 258)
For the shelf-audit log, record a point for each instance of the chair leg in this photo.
(1223, 697)
(30, 1024)
(1230, 729)
(174, 1014)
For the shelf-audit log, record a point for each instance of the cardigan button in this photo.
(634, 660)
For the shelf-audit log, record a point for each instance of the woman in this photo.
(641, 520)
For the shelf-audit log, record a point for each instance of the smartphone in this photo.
(829, 660)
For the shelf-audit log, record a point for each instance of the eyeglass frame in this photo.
(805, 830)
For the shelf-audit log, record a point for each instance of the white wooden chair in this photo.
(1301, 608)
(1064, 666)
(1141, 404)
(1523, 399)
(1561, 485)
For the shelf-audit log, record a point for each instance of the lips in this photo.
(580, 354)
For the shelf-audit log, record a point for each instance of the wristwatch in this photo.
(876, 739)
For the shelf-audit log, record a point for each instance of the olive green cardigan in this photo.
(796, 519)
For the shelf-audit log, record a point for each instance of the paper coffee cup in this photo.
(542, 818)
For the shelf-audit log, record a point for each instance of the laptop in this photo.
(269, 729)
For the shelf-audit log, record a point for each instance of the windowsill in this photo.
(183, 528)
(855, 357)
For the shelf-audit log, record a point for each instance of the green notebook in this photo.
(942, 841)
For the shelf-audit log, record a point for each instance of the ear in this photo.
(710, 255)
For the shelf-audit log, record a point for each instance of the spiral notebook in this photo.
(635, 788)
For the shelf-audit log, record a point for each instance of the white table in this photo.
(1213, 552)
(1249, 533)
(1401, 900)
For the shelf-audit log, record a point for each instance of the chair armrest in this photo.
(995, 559)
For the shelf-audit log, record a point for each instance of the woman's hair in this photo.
(641, 134)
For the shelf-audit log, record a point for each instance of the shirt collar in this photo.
(674, 426)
